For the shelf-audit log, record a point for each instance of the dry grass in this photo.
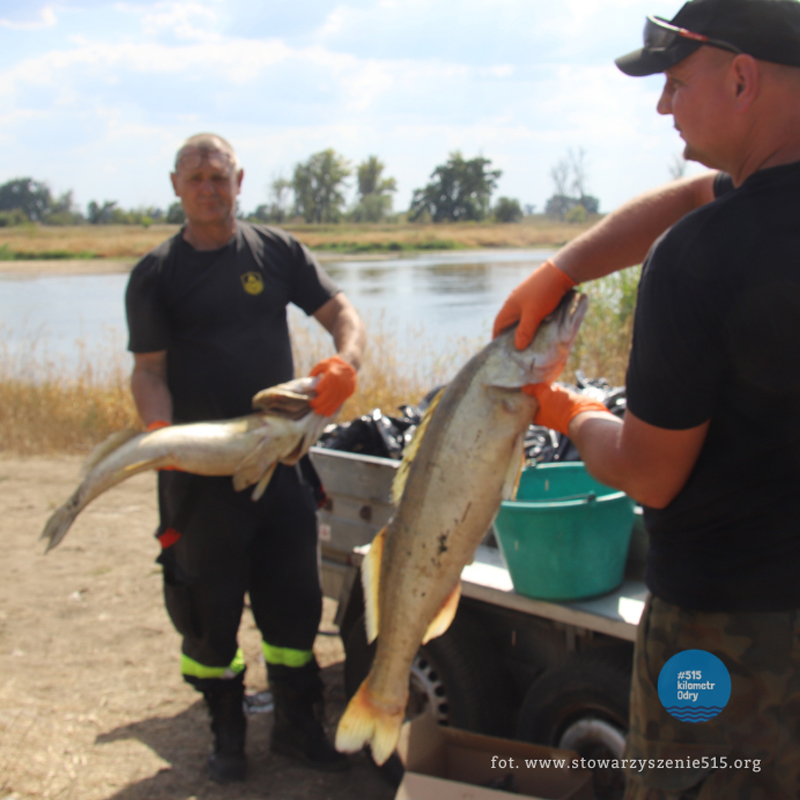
(604, 341)
(392, 374)
(46, 407)
(103, 241)
(133, 241)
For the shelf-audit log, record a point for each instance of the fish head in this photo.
(288, 399)
(544, 358)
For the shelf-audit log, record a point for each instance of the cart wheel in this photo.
(583, 706)
(456, 675)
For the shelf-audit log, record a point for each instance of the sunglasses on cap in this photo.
(660, 35)
(214, 158)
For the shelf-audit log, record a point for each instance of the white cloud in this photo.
(407, 81)
(46, 19)
(187, 21)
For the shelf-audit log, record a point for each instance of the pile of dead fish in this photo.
(378, 434)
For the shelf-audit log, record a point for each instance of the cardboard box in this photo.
(450, 764)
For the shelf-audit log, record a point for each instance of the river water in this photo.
(444, 297)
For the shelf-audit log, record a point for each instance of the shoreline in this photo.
(37, 268)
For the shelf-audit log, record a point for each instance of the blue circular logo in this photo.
(694, 686)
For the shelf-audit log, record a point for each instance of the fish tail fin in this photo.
(366, 721)
(58, 525)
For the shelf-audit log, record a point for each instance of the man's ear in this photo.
(174, 178)
(239, 177)
(745, 77)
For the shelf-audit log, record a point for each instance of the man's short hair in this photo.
(208, 143)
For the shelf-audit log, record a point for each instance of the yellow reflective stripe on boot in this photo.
(286, 656)
(197, 670)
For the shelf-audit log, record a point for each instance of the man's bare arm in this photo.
(149, 387)
(623, 237)
(650, 464)
(341, 320)
(619, 240)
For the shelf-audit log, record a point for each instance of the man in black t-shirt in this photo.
(710, 441)
(208, 330)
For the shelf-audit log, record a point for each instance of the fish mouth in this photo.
(288, 400)
(567, 317)
(570, 313)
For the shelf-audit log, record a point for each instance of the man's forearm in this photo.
(349, 339)
(341, 320)
(623, 237)
(650, 464)
(152, 396)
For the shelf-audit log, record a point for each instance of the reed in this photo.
(396, 370)
(604, 340)
(47, 406)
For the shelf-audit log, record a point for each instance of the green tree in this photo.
(63, 211)
(278, 209)
(374, 191)
(31, 197)
(459, 190)
(318, 185)
(10, 218)
(507, 209)
(371, 180)
(101, 215)
(175, 214)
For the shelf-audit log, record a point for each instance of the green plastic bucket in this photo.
(566, 536)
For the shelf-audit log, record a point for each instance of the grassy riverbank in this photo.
(129, 242)
(47, 407)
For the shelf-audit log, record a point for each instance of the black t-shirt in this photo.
(717, 336)
(221, 316)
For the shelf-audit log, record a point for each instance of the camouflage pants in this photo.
(751, 751)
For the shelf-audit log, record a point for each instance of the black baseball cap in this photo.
(765, 29)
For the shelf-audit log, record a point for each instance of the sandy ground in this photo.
(92, 704)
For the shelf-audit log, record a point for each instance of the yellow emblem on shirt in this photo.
(253, 283)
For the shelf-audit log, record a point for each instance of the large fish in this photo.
(466, 458)
(248, 448)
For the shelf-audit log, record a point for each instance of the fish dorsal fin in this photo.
(370, 579)
(511, 482)
(441, 622)
(106, 447)
(399, 483)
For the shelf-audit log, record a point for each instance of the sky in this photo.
(97, 96)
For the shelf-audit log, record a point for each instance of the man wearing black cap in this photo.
(711, 439)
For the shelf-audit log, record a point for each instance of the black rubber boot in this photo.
(297, 730)
(225, 698)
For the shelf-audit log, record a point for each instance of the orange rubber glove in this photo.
(558, 406)
(337, 383)
(532, 301)
(156, 424)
